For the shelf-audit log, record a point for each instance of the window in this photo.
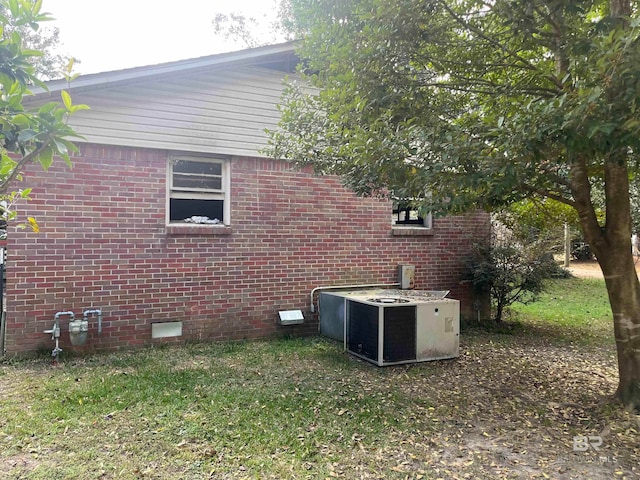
(405, 214)
(198, 191)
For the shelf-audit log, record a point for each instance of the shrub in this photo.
(509, 272)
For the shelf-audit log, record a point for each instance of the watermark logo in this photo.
(588, 446)
(583, 443)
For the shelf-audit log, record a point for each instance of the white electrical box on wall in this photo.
(406, 276)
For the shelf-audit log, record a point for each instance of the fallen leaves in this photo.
(508, 407)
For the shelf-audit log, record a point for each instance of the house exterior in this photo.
(181, 141)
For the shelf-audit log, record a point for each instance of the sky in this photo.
(115, 34)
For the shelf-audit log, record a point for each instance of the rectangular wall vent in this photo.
(291, 317)
(166, 329)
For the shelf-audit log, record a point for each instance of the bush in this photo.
(509, 272)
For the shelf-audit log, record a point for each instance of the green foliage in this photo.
(510, 272)
(40, 41)
(253, 31)
(236, 26)
(540, 221)
(482, 104)
(26, 134)
(531, 220)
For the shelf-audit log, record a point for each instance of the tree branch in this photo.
(489, 91)
(21, 163)
(549, 194)
(581, 191)
(482, 35)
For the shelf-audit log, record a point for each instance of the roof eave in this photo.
(109, 78)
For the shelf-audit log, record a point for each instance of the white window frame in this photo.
(224, 193)
(427, 220)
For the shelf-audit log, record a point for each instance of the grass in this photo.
(246, 407)
(573, 310)
(508, 407)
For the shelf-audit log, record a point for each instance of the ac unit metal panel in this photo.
(438, 330)
(331, 310)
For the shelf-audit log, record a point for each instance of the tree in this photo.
(251, 31)
(26, 135)
(511, 272)
(237, 27)
(48, 64)
(481, 104)
(536, 219)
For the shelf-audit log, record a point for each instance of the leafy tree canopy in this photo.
(481, 103)
(474, 104)
(538, 219)
(49, 64)
(26, 134)
(254, 31)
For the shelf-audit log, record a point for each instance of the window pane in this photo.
(182, 208)
(404, 214)
(197, 168)
(191, 181)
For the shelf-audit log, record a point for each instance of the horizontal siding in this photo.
(219, 111)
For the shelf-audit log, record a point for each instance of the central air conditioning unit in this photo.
(391, 330)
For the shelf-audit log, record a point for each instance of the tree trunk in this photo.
(612, 247)
(499, 311)
(624, 296)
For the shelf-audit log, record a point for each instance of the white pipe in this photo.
(96, 311)
(339, 287)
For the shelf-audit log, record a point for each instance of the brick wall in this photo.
(104, 244)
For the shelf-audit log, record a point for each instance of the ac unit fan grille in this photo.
(362, 334)
(399, 343)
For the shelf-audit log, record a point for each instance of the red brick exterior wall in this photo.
(104, 244)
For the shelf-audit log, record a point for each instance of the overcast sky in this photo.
(114, 34)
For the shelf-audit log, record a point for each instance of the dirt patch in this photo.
(590, 269)
(20, 463)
